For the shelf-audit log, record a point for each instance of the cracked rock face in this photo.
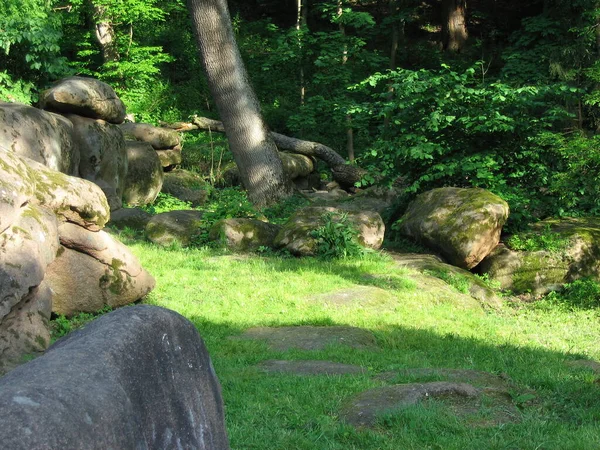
(54, 256)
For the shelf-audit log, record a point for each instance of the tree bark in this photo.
(253, 149)
(349, 130)
(105, 34)
(454, 25)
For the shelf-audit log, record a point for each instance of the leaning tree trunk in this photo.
(454, 25)
(255, 153)
(105, 34)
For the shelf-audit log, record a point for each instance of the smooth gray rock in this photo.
(84, 96)
(137, 378)
(145, 174)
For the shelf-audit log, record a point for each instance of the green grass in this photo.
(415, 326)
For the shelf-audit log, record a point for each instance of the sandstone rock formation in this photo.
(243, 235)
(174, 226)
(145, 174)
(86, 97)
(463, 225)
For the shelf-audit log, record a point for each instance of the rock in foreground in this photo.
(137, 378)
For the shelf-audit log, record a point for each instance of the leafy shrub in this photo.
(166, 202)
(337, 238)
(580, 294)
(61, 325)
(535, 241)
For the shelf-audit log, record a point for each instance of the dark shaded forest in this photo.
(496, 94)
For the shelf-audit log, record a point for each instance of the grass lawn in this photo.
(416, 325)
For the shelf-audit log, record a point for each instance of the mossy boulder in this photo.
(158, 138)
(186, 186)
(72, 199)
(93, 270)
(295, 235)
(174, 226)
(538, 272)
(243, 235)
(103, 156)
(39, 135)
(463, 225)
(145, 174)
(86, 97)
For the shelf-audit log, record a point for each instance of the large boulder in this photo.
(243, 235)
(463, 225)
(295, 235)
(39, 135)
(103, 156)
(26, 249)
(576, 254)
(174, 227)
(93, 270)
(144, 178)
(186, 186)
(170, 158)
(158, 138)
(24, 181)
(134, 218)
(86, 97)
(137, 378)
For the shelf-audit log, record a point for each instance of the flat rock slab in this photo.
(311, 337)
(474, 377)
(360, 296)
(309, 367)
(479, 407)
(585, 364)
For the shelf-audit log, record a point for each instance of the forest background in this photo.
(499, 94)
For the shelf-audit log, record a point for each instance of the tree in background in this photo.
(255, 153)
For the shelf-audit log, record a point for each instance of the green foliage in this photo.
(281, 212)
(537, 240)
(337, 238)
(580, 294)
(61, 325)
(166, 202)
(448, 128)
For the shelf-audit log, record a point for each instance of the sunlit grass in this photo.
(415, 325)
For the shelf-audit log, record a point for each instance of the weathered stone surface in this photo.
(144, 178)
(17, 187)
(433, 266)
(365, 409)
(376, 198)
(310, 337)
(134, 218)
(186, 186)
(174, 226)
(137, 378)
(464, 225)
(295, 234)
(24, 331)
(539, 272)
(169, 158)
(39, 135)
(158, 138)
(99, 269)
(86, 97)
(103, 156)
(26, 249)
(310, 367)
(243, 234)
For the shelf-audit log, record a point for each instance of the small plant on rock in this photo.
(337, 238)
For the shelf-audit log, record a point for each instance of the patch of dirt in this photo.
(478, 407)
(310, 337)
(474, 377)
(309, 367)
(585, 364)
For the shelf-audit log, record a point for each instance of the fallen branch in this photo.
(344, 174)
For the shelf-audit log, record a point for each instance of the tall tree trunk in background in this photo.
(255, 153)
(301, 16)
(454, 25)
(105, 34)
(349, 130)
(393, 9)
